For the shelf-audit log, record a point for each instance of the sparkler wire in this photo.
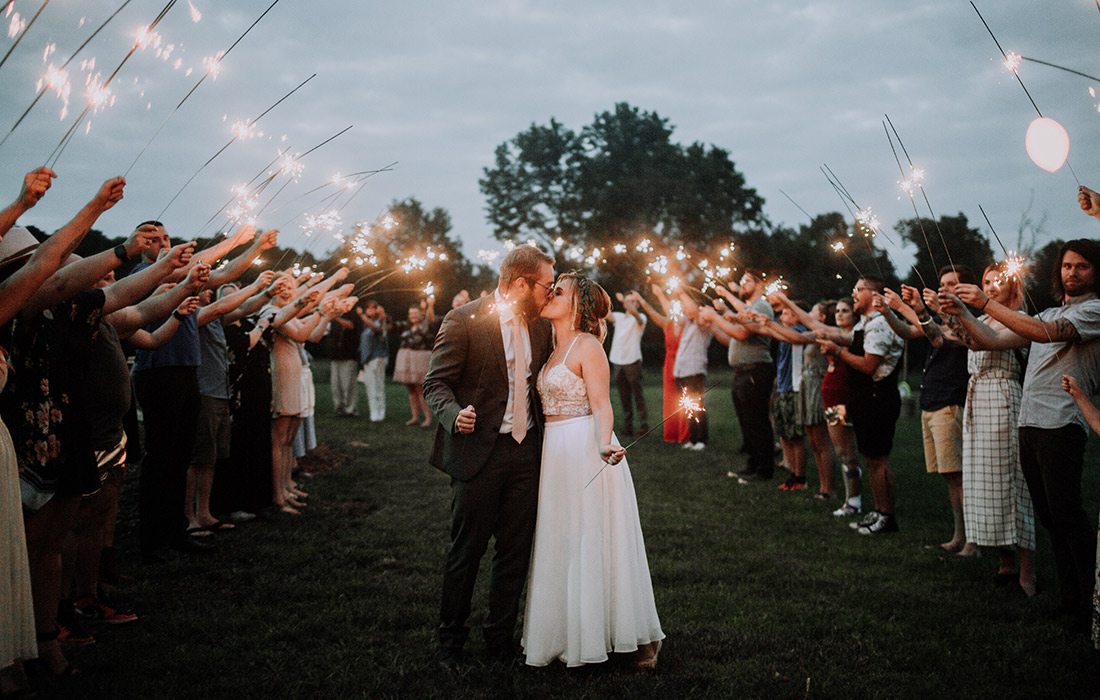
(230, 143)
(45, 88)
(23, 33)
(639, 438)
(60, 148)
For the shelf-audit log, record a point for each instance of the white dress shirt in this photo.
(507, 315)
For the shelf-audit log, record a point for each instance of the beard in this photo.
(528, 307)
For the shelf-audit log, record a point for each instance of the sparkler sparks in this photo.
(1013, 266)
(98, 94)
(57, 81)
(691, 406)
(837, 246)
(912, 183)
(776, 285)
(196, 16)
(867, 219)
(1012, 61)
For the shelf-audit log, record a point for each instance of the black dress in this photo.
(244, 481)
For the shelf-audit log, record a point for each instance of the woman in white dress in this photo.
(590, 592)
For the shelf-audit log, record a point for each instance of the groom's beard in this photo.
(528, 308)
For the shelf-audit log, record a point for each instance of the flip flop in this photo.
(198, 532)
(220, 526)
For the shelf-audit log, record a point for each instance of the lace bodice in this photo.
(563, 393)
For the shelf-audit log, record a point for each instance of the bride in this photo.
(590, 592)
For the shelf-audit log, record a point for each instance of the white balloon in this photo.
(1047, 144)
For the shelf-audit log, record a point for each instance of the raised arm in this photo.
(264, 291)
(35, 184)
(973, 333)
(146, 340)
(804, 317)
(904, 329)
(660, 319)
(1030, 328)
(220, 307)
(84, 273)
(239, 265)
(157, 306)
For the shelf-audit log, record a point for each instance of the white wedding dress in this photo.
(590, 592)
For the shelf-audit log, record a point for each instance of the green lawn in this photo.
(761, 593)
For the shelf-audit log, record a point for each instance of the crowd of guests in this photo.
(1004, 401)
(218, 370)
(221, 375)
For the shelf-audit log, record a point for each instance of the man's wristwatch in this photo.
(120, 253)
(178, 316)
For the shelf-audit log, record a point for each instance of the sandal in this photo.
(220, 526)
(823, 496)
(198, 531)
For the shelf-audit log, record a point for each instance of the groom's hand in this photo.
(467, 417)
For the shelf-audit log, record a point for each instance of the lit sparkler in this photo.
(912, 183)
(776, 285)
(1012, 61)
(691, 406)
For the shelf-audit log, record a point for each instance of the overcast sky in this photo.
(784, 86)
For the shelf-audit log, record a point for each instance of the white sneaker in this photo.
(688, 446)
(699, 446)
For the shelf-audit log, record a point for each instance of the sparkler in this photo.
(690, 406)
(55, 155)
(22, 30)
(47, 86)
(920, 186)
(230, 143)
(776, 285)
(1012, 62)
(212, 67)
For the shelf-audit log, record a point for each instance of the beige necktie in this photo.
(519, 382)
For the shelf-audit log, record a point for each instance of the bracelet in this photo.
(178, 316)
(926, 321)
(120, 253)
(987, 300)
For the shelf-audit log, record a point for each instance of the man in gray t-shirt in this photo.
(1063, 340)
(753, 375)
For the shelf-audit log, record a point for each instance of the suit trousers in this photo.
(752, 390)
(499, 502)
(1052, 462)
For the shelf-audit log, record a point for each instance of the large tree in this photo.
(618, 180)
(940, 244)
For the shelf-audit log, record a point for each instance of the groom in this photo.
(481, 386)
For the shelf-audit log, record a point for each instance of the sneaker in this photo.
(687, 446)
(846, 510)
(884, 524)
(699, 446)
(75, 634)
(868, 520)
(93, 610)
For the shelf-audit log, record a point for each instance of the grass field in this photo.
(761, 593)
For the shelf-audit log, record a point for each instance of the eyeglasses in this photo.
(548, 287)
(558, 291)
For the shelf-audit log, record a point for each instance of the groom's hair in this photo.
(522, 261)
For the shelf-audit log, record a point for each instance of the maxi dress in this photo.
(17, 637)
(590, 591)
(676, 427)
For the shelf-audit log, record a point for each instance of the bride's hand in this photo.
(612, 454)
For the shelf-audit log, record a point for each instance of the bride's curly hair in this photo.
(591, 303)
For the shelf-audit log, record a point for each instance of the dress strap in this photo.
(570, 348)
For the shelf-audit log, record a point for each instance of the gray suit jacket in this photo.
(468, 367)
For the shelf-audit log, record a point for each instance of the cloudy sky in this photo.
(784, 86)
